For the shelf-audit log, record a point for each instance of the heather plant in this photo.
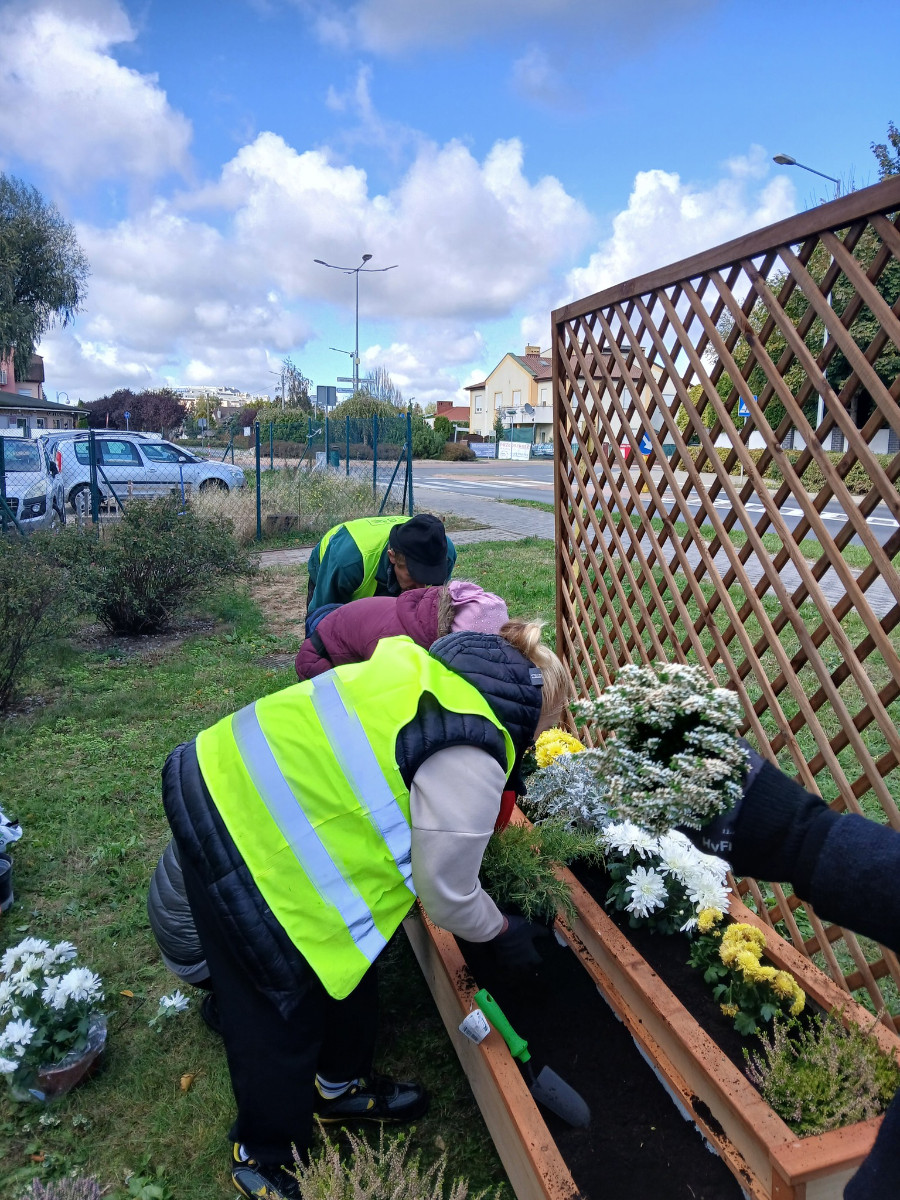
(385, 1172)
(671, 755)
(753, 993)
(823, 1074)
(79, 1188)
(519, 867)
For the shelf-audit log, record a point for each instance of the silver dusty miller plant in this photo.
(671, 756)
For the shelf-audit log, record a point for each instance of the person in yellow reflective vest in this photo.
(378, 556)
(306, 824)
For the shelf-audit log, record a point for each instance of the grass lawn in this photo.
(81, 770)
(80, 766)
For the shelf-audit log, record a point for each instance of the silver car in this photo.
(129, 466)
(32, 487)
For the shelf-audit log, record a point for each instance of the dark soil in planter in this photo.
(637, 1145)
(668, 954)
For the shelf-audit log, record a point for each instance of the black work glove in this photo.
(774, 832)
(514, 947)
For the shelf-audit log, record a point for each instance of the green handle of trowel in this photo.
(518, 1047)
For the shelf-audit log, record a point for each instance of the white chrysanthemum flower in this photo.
(677, 856)
(26, 988)
(625, 837)
(6, 995)
(80, 984)
(61, 952)
(51, 993)
(647, 890)
(30, 964)
(175, 1003)
(709, 893)
(8, 1065)
(690, 925)
(17, 1034)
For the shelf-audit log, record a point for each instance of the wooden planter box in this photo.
(767, 1159)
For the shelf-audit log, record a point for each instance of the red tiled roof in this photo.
(474, 387)
(541, 368)
(454, 413)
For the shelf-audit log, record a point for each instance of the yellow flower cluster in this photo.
(708, 918)
(741, 949)
(554, 742)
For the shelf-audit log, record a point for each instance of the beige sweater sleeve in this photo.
(454, 802)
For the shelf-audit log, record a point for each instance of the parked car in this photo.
(133, 465)
(52, 437)
(32, 485)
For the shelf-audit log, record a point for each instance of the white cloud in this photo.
(67, 104)
(412, 364)
(395, 26)
(470, 238)
(667, 219)
(173, 290)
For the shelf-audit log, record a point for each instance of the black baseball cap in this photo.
(422, 541)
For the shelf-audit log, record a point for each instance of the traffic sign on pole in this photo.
(743, 410)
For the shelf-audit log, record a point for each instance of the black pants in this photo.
(273, 1061)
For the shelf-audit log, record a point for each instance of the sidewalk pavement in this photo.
(509, 522)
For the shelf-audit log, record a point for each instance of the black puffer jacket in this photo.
(172, 922)
(507, 680)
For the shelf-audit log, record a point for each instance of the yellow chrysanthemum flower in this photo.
(799, 1003)
(708, 918)
(554, 742)
(749, 935)
(748, 962)
(762, 974)
(730, 1010)
(783, 985)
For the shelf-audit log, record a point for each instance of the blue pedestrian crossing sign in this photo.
(743, 410)
(646, 447)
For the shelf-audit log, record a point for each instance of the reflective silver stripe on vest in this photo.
(357, 760)
(288, 815)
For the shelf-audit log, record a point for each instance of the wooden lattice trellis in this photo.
(799, 325)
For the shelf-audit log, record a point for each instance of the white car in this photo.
(130, 466)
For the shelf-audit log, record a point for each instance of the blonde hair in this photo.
(445, 612)
(525, 636)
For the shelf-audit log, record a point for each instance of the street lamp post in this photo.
(355, 271)
(785, 160)
(280, 375)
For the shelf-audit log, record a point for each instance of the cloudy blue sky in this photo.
(508, 155)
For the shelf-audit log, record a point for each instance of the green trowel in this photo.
(546, 1087)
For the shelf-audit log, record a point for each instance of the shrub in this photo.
(458, 452)
(519, 864)
(427, 442)
(824, 1075)
(382, 1173)
(36, 598)
(151, 563)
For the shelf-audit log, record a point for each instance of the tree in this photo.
(43, 270)
(498, 427)
(154, 409)
(380, 386)
(888, 163)
(294, 386)
(443, 427)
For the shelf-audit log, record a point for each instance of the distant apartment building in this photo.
(225, 397)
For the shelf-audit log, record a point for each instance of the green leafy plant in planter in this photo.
(751, 992)
(519, 862)
(822, 1074)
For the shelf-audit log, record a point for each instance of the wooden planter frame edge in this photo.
(767, 1159)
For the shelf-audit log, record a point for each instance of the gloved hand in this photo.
(774, 832)
(514, 946)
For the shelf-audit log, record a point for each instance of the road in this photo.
(503, 480)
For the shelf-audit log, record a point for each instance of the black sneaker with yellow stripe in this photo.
(259, 1181)
(376, 1098)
